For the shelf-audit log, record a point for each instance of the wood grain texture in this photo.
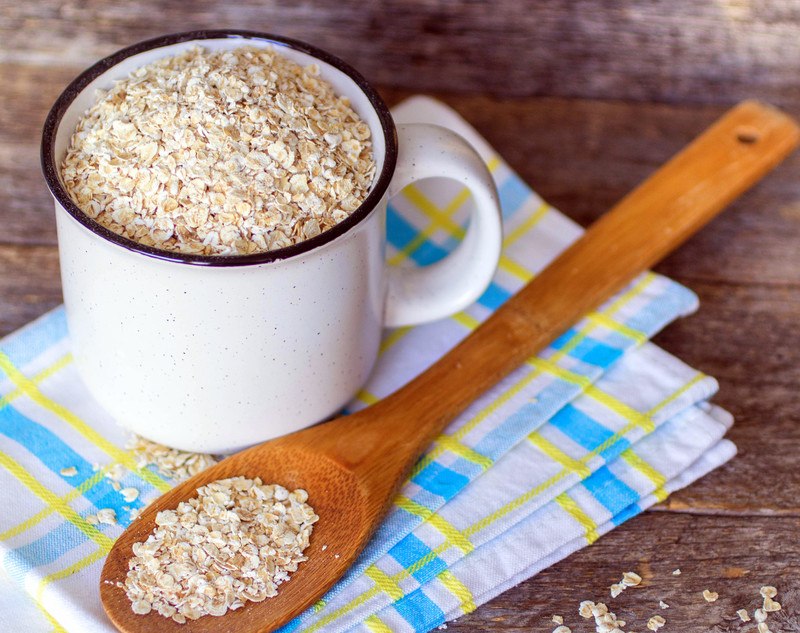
(666, 50)
(29, 282)
(582, 155)
(725, 555)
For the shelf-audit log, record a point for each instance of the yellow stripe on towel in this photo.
(577, 513)
(30, 389)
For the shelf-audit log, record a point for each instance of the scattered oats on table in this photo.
(770, 606)
(656, 622)
(629, 579)
(237, 540)
(70, 471)
(605, 621)
(220, 153)
(710, 596)
(743, 615)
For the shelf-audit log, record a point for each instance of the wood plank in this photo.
(733, 557)
(743, 336)
(30, 284)
(673, 51)
(26, 208)
(28, 93)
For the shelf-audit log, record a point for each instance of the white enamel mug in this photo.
(216, 353)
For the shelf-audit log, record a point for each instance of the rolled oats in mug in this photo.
(229, 152)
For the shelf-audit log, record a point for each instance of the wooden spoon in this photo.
(352, 467)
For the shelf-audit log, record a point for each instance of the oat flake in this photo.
(710, 596)
(743, 615)
(173, 463)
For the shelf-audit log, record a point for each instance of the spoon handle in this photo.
(648, 224)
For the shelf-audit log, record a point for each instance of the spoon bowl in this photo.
(351, 467)
(339, 498)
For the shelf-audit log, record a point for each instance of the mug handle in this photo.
(427, 293)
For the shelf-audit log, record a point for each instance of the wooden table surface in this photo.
(584, 99)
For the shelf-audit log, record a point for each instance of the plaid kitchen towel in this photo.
(566, 478)
(439, 592)
(508, 561)
(598, 427)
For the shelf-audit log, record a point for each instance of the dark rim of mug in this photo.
(66, 98)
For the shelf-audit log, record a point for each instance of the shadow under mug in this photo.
(214, 353)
